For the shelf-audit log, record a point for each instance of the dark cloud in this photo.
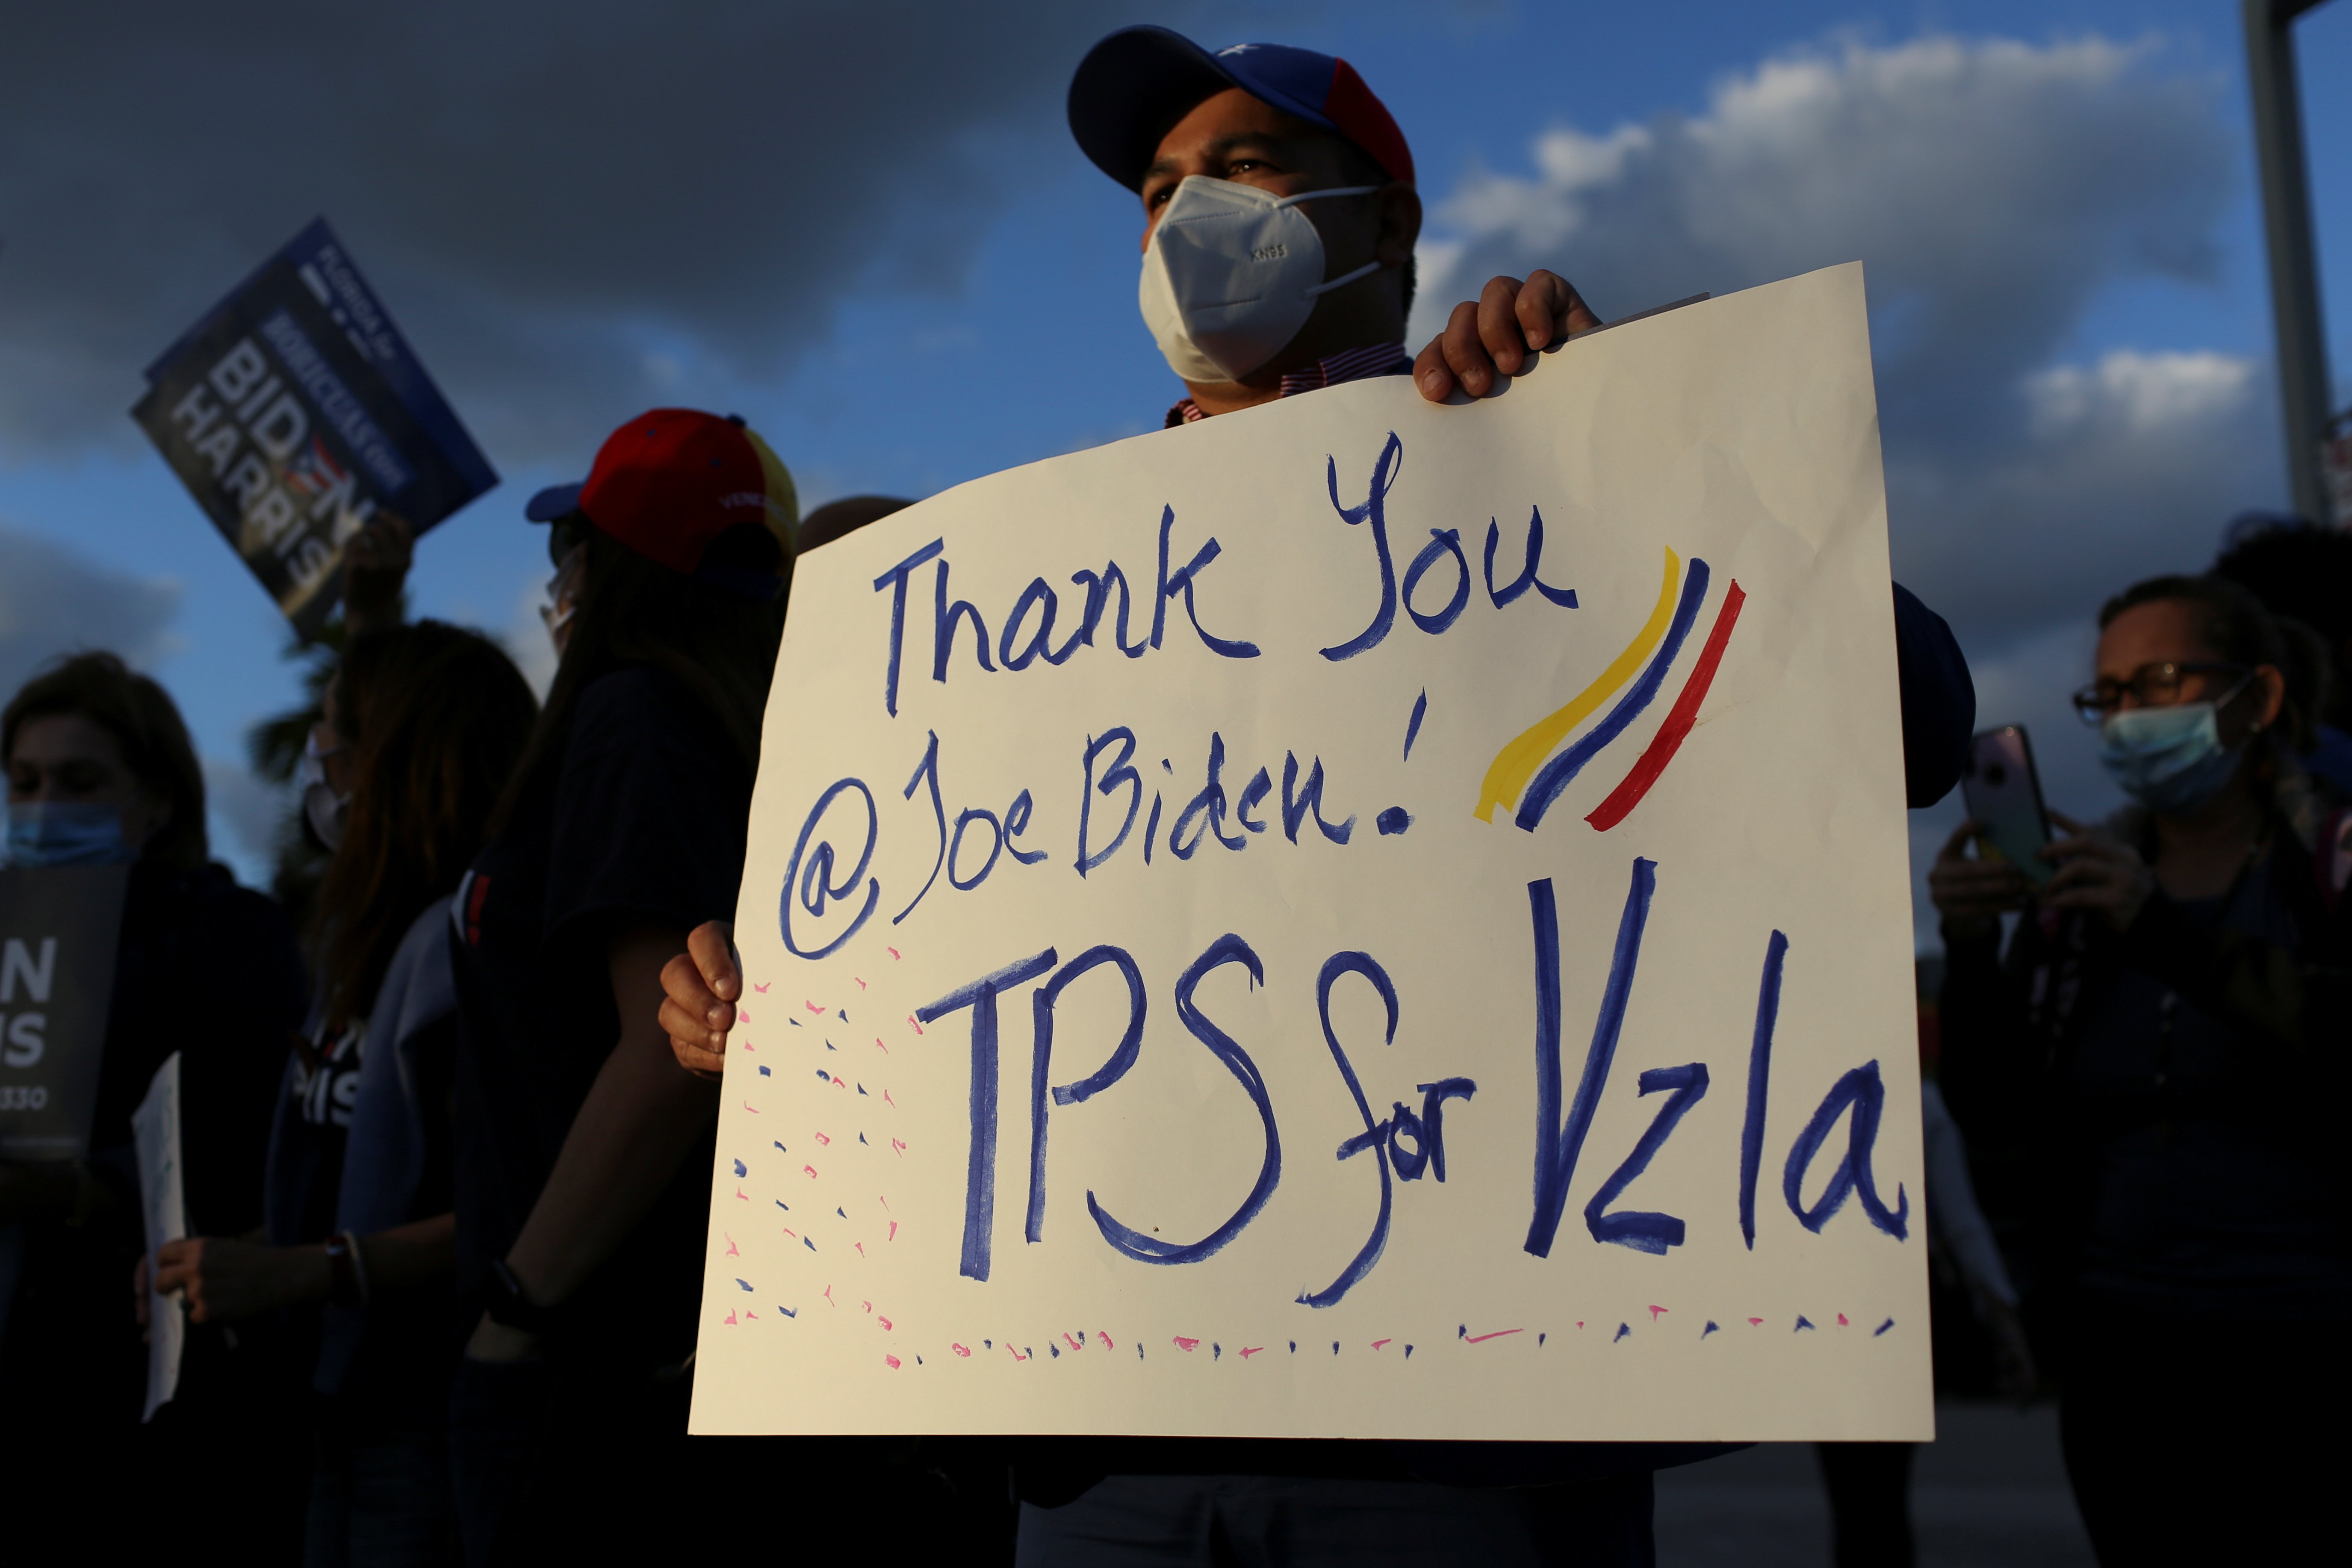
(53, 601)
(561, 201)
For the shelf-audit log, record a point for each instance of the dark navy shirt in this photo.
(644, 818)
(2208, 1200)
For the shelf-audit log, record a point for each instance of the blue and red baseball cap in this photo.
(672, 483)
(1134, 85)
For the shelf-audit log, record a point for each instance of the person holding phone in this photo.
(2168, 1033)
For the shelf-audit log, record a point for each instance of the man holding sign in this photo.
(1280, 224)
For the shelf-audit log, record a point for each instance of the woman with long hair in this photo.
(582, 1172)
(102, 772)
(2168, 1036)
(423, 725)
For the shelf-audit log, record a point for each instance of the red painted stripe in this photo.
(1679, 720)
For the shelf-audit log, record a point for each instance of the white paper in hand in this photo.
(156, 1127)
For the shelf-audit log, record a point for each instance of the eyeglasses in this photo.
(2150, 686)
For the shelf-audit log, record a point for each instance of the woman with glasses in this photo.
(2168, 1033)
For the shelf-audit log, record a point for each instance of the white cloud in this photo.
(54, 600)
(2146, 395)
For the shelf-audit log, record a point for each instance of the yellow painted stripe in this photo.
(1517, 763)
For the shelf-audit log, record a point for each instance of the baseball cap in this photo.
(672, 482)
(1138, 83)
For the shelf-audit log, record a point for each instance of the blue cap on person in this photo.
(1134, 85)
(672, 482)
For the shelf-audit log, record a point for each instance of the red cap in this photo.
(670, 482)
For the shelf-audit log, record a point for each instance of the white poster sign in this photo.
(1356, 919)
(155, 1130)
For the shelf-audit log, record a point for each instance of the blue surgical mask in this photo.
(66, 832)
(2170, 760)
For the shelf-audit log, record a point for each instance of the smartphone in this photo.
(2004, 794)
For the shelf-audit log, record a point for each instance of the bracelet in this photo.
(347, 1278)
(504, 1301)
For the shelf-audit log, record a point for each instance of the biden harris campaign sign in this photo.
(59, 928)
(1354, 918)
(295, 412)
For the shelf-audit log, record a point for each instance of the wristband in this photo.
(505, 1303)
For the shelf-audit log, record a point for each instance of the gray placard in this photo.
(58, 930)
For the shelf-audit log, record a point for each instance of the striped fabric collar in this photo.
(1352, 365)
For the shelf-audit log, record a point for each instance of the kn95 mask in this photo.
(1231, 275)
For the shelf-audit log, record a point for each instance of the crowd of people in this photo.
(446, 1136)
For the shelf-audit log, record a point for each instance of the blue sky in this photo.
(880, 247)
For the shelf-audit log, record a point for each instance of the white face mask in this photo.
(1231, 274)
(322, 809)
